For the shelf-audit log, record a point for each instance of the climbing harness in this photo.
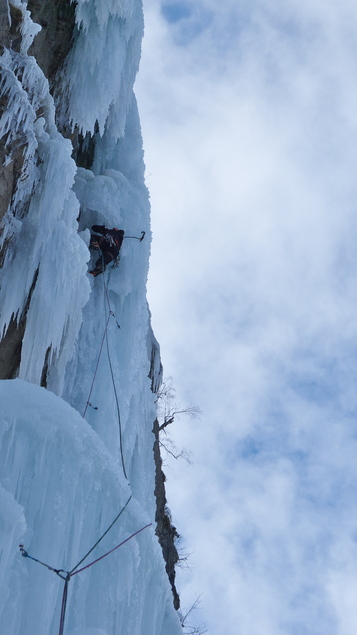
(67, 575)
(112, 241)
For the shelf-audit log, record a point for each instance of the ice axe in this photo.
(137, 237)
(117, 259)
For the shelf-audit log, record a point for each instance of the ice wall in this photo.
(61, 488)
(63, 477)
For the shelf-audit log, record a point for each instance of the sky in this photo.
(249, 120)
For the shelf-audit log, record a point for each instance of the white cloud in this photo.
(250, 136)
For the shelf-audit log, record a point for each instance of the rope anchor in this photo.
(114, 316)
(91, 406)
(68, 574)
(25, 554)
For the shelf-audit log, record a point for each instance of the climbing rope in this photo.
(106, 295)
(25, 554)
(96, 370)
(118, 409)
(70, 574)
(103, 535)
(105, 337)
(64, 603)
(114, 549)
(88, 403)
(67, 575)
(60, 571)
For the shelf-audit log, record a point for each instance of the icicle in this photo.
(108, 45)
(40, 228)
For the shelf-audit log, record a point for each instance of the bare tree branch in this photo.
(183, 454)
(189, 629)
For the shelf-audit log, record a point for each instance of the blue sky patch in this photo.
(187, 21)
(175, 11)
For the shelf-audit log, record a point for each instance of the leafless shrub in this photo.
(168, 410)
(190, 629)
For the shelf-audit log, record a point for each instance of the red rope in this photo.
(103, 535)
(111, 551)
(70, 574)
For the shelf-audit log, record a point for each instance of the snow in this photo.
(62, 480)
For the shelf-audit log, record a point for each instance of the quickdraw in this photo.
(116, 262)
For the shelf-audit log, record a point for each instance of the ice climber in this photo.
(108, 242)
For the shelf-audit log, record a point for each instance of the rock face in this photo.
(11, 344)
(11, 164)
(10, 172)
(165, 530)
(51, 45)
(4, 25)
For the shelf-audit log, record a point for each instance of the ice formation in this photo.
(68, 339)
